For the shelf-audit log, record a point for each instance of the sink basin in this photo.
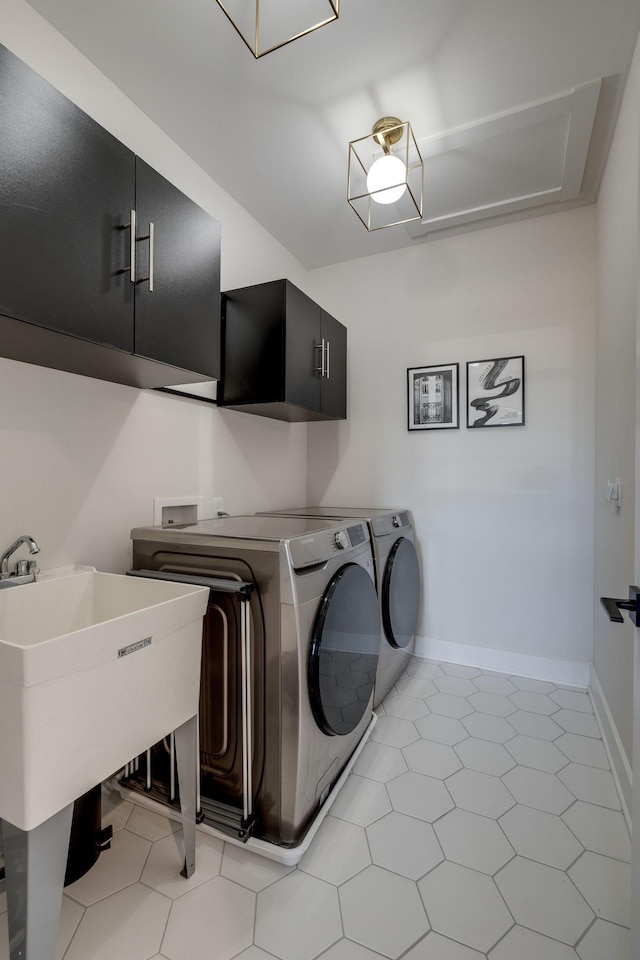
(94, 668)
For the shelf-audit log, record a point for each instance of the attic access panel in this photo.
(512, 162)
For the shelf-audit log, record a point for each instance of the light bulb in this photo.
(386, 179)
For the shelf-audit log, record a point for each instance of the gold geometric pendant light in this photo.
(385, 175)
(267, 25)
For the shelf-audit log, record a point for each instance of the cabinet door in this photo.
(66, 189)
(334, 382)
(302, 352)
(178, 321)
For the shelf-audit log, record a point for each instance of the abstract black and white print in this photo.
(495, 392)
(433, 397)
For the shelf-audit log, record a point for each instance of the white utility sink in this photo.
(94, 669)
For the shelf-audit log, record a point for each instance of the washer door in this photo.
(345, 645)
(401, 593)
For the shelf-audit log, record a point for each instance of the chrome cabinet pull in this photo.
(151, 235)
(131, 269)
(132, 247)
(327, 374)
(150, 238)
(321, 368)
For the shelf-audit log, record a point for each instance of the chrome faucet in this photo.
(25, 572)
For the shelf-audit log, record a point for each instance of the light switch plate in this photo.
(613, 490)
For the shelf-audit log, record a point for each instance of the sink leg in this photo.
(35, 862)
(186, 740)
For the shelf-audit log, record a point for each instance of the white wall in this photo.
(505, 515)
(81, 459)
(617, 213)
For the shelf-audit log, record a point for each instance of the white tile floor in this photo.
(481, 821)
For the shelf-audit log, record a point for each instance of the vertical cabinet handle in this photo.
(325, 358)
(151, 235)
(133, 239)
(132, 247)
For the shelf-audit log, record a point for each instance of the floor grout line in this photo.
(388, 854)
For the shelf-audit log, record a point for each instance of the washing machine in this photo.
(398, 582)
(281, 716)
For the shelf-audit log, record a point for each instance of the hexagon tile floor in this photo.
(480, 823)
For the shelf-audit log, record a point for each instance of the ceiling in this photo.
(512, 102)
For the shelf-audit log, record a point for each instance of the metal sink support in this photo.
(35, 861)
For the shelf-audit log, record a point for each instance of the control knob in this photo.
(396, 521)
(341, 540)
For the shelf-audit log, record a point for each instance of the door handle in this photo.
(321, 368)
(613, 607)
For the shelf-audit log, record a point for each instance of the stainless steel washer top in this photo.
(251, 527)
(398, 580)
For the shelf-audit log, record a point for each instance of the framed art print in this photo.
(495, 392)
(432, 394)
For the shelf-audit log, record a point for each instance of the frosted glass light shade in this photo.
(386, 180)
(385, 176)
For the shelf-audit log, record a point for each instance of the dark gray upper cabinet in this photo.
(67, 189)
(283, 355)
(334, 383)
(178, 322)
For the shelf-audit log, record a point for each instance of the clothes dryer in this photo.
(398, 582)
(313, 654)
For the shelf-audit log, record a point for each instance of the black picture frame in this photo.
(495, 392)
(433, 401)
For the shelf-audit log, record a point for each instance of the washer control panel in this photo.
(341, 539)
(321, 546)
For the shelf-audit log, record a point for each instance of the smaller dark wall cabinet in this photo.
(67, 189)
(283, 356)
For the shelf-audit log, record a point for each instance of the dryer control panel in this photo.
(391, 522)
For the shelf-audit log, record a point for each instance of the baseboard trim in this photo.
(572, 673)
(618, 760)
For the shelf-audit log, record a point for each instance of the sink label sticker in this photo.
(124, 651)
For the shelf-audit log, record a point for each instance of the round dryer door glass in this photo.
(401, 593)
(345, 644)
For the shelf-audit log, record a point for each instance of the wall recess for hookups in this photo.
(177, 511)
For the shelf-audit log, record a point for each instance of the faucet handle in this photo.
(32, 567)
